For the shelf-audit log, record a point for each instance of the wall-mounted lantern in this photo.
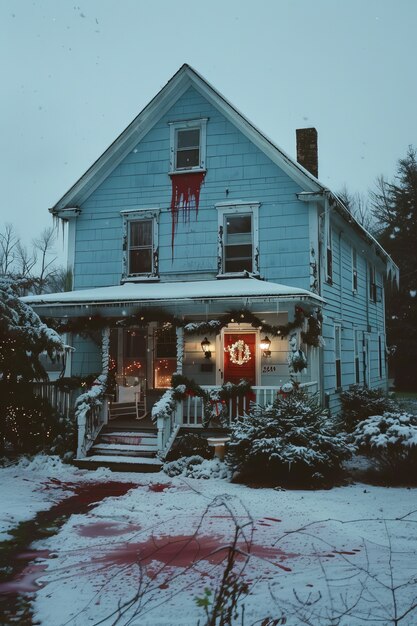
(265, 344)
(206, 348)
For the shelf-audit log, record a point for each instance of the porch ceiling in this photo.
(161, 293)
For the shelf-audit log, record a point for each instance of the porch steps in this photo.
(121, 410)
(123, 450)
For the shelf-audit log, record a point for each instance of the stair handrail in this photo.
(91, 406)
(89, 414)
(164, 413)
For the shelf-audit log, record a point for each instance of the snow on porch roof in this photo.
(175, 291)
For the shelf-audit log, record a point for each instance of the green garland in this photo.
(87, 324)
(215, 401)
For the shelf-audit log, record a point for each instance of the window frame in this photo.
(158, 341)
(357, 345)
(194, 124)
(372, 283)
(338, 351)
(237, 209)
(140, 215)
(329, 249)
(354, 270)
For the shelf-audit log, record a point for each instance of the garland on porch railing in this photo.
(215, 401)
(86, 324)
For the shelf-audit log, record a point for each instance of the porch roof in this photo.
(186, 291)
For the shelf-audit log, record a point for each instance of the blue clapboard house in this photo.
(197, 246)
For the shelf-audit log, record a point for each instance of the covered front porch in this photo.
(214, 335)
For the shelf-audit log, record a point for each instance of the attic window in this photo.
(187, 154)
(188, 145)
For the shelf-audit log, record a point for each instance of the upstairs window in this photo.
(375, 291)
(188, 145)
(238, 248)
(329, 255)
(238, 239)
(187, 153)
(354, 270)
(140, 247)
(140, 244)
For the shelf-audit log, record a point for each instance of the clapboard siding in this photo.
(233, 164)
(354, 311)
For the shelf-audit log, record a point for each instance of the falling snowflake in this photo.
(413, 293)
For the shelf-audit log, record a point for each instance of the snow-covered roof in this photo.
(174, 291)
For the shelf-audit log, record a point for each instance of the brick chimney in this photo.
(307, 151)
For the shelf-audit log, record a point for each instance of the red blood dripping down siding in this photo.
(185, 197)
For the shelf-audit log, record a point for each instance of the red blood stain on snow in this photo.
(184, 550)
(159, 487)
(27, 581)
(106, 529)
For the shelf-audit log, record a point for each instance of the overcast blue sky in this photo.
(75, 73)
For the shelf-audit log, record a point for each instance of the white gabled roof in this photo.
(143, 293)
(157, 107)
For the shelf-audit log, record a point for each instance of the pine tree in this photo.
(23, 337)
(395, 207)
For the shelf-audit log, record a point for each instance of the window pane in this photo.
(164, 369)
(238, 252)
(337, 338)
(140, 233)
(188, 138)
(166, 344)
(188, 158)
(140, 261)
(238, 265)
(238, 225)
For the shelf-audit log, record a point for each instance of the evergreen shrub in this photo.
(291, 442)
(29, 424)
(391, 440)
(359, 403)
(191, 444)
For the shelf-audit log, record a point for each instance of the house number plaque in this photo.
(269, 369)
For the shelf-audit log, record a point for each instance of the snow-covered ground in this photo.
(150, 553)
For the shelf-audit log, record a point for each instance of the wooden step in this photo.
(120, 463)
(129, 438)
(124, 449)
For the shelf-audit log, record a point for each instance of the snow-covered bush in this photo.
(359, 403)
(197, 467)
(390, 439)
(290, 442)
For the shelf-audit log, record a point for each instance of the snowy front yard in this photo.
(344, 556)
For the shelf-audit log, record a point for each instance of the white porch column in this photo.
(105, 355)
(180, 361)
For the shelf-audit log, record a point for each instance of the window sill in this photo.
(140, 279)
(194, 170)
(244, 274)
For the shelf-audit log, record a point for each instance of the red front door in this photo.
(239, 357)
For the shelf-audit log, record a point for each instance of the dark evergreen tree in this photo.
(23, 337)
(395, 207)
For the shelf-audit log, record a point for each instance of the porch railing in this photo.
(91, 412)
(167, 429)
(62, 400)
(192, 411)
